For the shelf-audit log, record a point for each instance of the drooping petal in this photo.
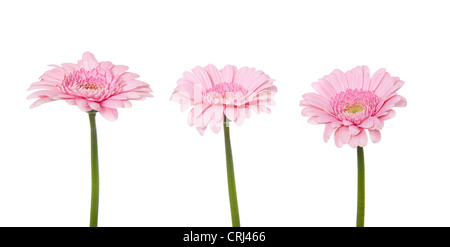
(341, 136)
(94, 105)
(83, 104)
(329, 129)
(108, 113)
(375, 135)
(358, 140)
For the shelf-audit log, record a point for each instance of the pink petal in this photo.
(214, 73)
(202, 77)
(94, 105)
(358, 78)
(371, 123)
(358, 140)
(339, 81)
(109, 114)
(135, 84)
(377, 78)
(126, 104)
(118, 70)
(216, 127)
(365, 78)
(43, 84)
(341, 136)
(218, 113)
(184, 101)
(322, 119)
(252, 79)
(387, 115)
(241, 116)
(40, 101)
(231, 112)
(201, 130)
(309, 111)
(354, 130)
(375, 135)
(53, 75)
(261, 82)
(228, 73)
(242, 76)
(312, 99)
(110, 103)
(69, 67)
(394, 101)
(52, 93)
(189, 88)
(83, 104)
(384, 86)
(323, 88)
(203, 119)
(191, 118)
(329, 129)
(106, 65)
(130, 95)
(88, 61)
(392, 91)
(127, 76)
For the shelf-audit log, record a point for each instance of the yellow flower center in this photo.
(90, 86)
(354, 109)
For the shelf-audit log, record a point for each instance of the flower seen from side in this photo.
(90, 85)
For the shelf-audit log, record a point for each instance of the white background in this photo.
(157, 171)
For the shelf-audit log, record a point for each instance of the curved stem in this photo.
(230, 173)
(361, 189)
(94, 171)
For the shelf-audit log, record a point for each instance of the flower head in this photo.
(351, 103)
(212, 94)
(90, 85)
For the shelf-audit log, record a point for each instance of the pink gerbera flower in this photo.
(351, 103)
(90, 85)
(93, 87)
(212, 94)
(219, 96)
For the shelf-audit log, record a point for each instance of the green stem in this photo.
(230, 173)
(361, 190)
(94, 171)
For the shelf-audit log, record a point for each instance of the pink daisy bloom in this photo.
(217, 97)
(212, 94)
(90, 85)
(351, 103)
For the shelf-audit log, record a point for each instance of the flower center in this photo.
(354, 109)
(90, 86)
(354, 105)
(96, 84)
(225, 93)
